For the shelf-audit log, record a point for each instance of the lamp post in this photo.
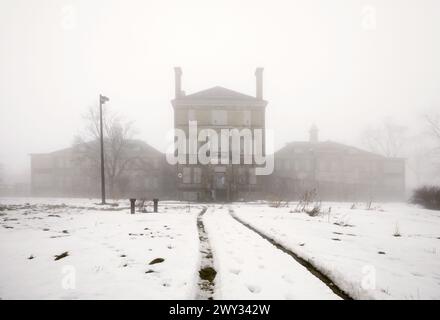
(102, 100)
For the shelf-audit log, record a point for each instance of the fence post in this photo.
(132, 205)
(155, 203)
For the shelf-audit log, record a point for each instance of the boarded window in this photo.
(219, 117)
(247, 118)
(241, 175)
(252, 176)
(197, 172)
(186, 175)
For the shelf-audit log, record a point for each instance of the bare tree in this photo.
(387, 139)
(433, 121)
(118, 134)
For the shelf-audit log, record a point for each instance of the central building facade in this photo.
(218, 108)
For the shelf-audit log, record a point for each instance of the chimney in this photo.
(178, 82)
(313, 134)
(259, 78)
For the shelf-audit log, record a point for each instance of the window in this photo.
(219, 117)
(186, 175)
(197, 173)
(241, 175)
(252, 176)
(247, 118)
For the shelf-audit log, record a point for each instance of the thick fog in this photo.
(346, 66)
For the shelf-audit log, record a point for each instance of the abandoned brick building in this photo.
(218, 108)
(335, 171)
(68, 172)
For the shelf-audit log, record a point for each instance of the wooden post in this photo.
(132, 205)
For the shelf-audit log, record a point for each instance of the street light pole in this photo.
(102, 100)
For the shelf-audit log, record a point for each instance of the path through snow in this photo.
(249, 267)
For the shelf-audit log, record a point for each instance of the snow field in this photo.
(108, 253)
(388, 252)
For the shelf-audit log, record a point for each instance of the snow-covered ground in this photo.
(388, 252)
(108, 251)
(249, 267)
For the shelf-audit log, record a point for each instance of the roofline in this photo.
(71, 149)
(176, 103)
(241, 99)
(364, 152)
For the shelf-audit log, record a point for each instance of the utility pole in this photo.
(102, 100)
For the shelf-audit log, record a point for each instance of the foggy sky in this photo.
(322, 64)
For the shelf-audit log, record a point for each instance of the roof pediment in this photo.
(218, 93)
(218, 96)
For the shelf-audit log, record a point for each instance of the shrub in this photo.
(315, 211)
(427, 196)
(307, 199)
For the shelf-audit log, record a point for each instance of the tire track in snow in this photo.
(207, 272)
(312, 269)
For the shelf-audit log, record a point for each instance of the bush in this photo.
(315, 211)
(427, 196)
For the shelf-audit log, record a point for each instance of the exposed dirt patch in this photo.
(343, 224)
(207, 272)
(61, 256)
(157, 260)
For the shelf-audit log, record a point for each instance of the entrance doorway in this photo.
(220, 186)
